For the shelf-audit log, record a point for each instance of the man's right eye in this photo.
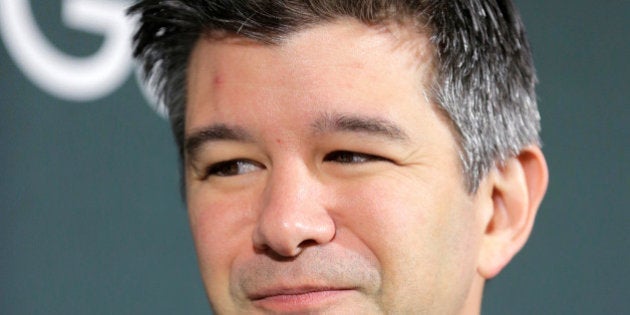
(231, 168)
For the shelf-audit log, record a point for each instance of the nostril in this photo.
(307, 243)
(281, 258)
(261, 249)
(278, 256)
(285, 256)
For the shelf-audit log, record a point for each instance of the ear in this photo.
(516, 189)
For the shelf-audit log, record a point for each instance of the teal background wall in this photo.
(91, 220)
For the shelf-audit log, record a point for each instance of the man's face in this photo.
(320, 178)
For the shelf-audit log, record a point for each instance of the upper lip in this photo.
(276, 291)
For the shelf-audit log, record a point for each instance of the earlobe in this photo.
(516, 190)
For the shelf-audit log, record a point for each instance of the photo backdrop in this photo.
(91, 220)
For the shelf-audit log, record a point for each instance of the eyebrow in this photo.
(335, 122)
(325, 123)
(218, 132)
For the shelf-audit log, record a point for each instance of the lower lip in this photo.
(301, 302)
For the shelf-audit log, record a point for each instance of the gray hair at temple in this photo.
(484, 78)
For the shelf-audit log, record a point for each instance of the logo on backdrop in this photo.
(65, 76)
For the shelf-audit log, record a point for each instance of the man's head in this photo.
(367, 156)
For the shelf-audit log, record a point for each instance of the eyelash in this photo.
(228, 168)
(234, 167)
(349, 157)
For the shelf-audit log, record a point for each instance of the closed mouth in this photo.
(265, 294)
(300, 298)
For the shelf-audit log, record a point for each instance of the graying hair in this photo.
(484, 76)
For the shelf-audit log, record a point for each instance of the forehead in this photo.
(325, 64)
(340, 32)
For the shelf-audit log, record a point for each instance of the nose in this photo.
(292, 215)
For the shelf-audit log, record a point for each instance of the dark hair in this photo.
(484, 76)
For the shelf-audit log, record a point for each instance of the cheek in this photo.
(384, 212)
(418, 232)
(221, 232)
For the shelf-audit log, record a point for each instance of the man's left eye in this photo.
(348, 157)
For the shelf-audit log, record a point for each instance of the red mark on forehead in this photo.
(218, 80)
